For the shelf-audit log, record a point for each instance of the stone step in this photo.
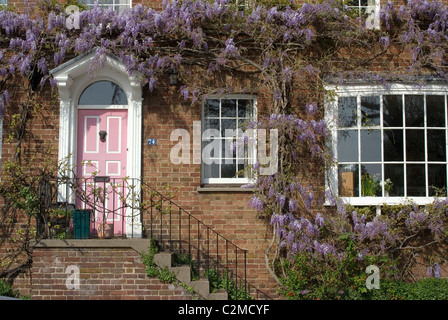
(220, 295)
(164, 259)
(201, 286)
(183, 274)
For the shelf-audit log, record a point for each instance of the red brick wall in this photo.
(163, 111)
(225, 212)
(20, 5)
(105, 273)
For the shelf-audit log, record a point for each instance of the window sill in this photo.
(380, 201)
(226, 188)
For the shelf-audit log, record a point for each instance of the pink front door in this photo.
(102, 149)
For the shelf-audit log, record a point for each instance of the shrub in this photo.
(6, 290)
(429, 289)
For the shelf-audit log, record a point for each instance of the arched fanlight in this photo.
(103, 93)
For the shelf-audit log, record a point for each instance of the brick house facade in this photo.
(214, 199)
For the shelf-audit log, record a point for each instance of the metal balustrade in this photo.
(134, 209)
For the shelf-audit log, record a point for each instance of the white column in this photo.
(65, 154)
(133, 220)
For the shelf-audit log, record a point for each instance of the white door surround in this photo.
(72, 78)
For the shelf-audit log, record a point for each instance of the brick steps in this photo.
(183, 274)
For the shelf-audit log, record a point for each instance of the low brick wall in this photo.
(107, 270)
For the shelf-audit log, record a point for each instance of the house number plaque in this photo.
(151, 142)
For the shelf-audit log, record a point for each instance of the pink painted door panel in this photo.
(102, 167)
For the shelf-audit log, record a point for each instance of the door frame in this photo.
(72, 78)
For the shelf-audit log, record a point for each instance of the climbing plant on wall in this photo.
(285, 52)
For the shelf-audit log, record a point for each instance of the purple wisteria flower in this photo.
(281, 200)
(257, 203)
(311, 108)
(319, 220)
(434, 271)
(230, 50)
(292, 205)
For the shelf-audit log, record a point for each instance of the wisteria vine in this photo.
(289, 52)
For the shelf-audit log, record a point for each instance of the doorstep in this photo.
(139, 245)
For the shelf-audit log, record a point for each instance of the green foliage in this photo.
(186, 259)
(410, 231)
(280, 4)
(226, 282)
(148, 260)
(429, 289)
(423, 289)
(6, 290)
(389, 290)
(28, 201)
(166, 275)
(152, 270)
(52, 5)
(308, 278)
(58, 223)
(369, 186)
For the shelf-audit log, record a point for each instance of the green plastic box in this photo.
(81, 224)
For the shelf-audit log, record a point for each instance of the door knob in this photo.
(103, 135)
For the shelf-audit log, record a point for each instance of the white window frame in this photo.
(374, 14)
(331, 109)
(242, 4)
(253, 153)
(115, 6)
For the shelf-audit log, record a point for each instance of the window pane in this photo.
(227, 124)
(370, 111)
(228, 170)
(371, 180)
(103, 93)
(352, 3)
(437, 179)
(211, 108)
(395, 173)
(211, 124)
(245, 108)
(415, 177)
(227, 148)
(415, 145)
(348, 180)
(347, 145)
(392, 111)
(243, 125)
(211, 149)
(436, 145)
(105, 4)
(393, 145)
(228, 108)
(243, 169)
(414, 111)
(370, 145)
(347, 111)
(435, 111)
(211, 170)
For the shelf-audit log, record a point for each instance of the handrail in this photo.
(155, 215)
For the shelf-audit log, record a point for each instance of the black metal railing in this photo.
(134, 209)
(176, 230)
